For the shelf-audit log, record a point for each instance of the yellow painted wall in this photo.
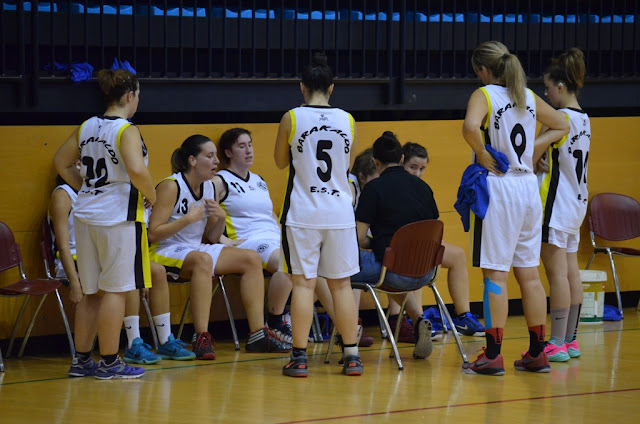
(27, 177)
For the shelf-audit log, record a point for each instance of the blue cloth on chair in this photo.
(473, 193)
(433, 314)
(611, 313)
(81, 72)
(117, 64)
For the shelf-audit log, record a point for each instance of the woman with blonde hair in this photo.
(503, 115)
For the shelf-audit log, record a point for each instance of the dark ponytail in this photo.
(192, 146)
(318, 76)
(387, 149)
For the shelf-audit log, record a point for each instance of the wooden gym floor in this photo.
(601, 386)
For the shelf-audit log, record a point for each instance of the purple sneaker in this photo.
(80, 368)
(117, 369)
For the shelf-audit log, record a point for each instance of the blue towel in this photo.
(122, 65)
(611, 313)
(473, 193)
(81, 72)
(433, 314)
(57, 67)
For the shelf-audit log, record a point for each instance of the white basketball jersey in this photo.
(191, 235)
(509, 129)
(73, 196)
(564, 188)
(318, 193)
(248, 206)
(107, 196)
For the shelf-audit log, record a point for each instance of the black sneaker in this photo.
(203, 345)
(352, 365)
(282, 332)
(263, 341)
(297, 366)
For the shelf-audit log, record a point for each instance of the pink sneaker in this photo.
(556, 353)
(572, 349)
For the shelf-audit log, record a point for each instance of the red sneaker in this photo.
(485, 366)
(365, 339)
(528, 363)
(406, 334)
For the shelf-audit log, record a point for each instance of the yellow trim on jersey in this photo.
(292, 115)
(146, 261)
(80, 130)
(140, 207)
(534, 100)
(486, 95)
(546, 181)
(231, 230)
(353, 123)
(163, 260)
(124, 127)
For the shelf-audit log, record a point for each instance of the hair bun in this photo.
(319, 58)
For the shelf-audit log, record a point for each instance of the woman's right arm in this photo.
(159, 227)
(65, 161)
(557, 124)
(131, 150)
(283, 150)
(477, 111)
(60, 208)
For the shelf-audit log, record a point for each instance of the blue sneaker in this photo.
(80, 368)
(140, 353)
(117, 370)
(176, 350)
(469, 325)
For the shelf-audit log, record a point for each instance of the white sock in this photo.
(163, 327)
(351, 351)
(132, 327)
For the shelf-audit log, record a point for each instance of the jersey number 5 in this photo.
(100, 171)
(322, 155)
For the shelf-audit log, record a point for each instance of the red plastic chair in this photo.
(614, 217)
(10, 257)
(415, 250)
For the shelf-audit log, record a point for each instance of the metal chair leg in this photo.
(152, 325)
(17, 324)
(184, 316)
(231, 320)
(72, 346)
(331, 343)
(615, 281)
(442, 318)
(396, 331)
(1, 362)
(31, 324)
(448, 317)
(392, 339)
(316, 328)
(591, 259)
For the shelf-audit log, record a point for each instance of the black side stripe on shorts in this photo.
(137, 267)
(477, 241)
(285, 249)
(551, 195)
(132, 207)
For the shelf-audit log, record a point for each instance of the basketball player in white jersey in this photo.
(503, 114)
(317, 143)
(186, 212)
(113, 185)
(564, 201)
(251, 224)
(61, 221)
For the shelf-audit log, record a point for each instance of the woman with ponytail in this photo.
(503, 114)
(187, 212)
(317, 143)
(114, 186)
(564, 201)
